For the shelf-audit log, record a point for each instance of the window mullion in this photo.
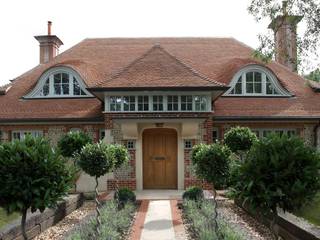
(244, 83)
(264, 84)
(71, 84)
(51, 85)
(165, 103)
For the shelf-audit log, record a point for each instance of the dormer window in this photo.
(255, 81)
(59, 82)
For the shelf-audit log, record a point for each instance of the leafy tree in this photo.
(211, 163)
(280, 172)
(99, 159)
(240, 140)
(72, 143)
(32, 176)
(308, 41)
(314, 75)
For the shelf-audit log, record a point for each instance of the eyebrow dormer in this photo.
(255, 80)
(59, 82)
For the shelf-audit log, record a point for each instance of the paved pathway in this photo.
(158, 220)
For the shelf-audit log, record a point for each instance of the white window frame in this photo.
(49, 74)
(188, 144)
(273, 130)
(131, 144)
(265, 73)
(206, 95)
(23, 133)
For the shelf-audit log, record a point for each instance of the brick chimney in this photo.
(49, 45)
(285, 38)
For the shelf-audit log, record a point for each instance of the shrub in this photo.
(239, 139)
(32, 176)
(193, 193)
(120, 154)
(280, 172)
(72, 143)
(114, 223)
(125, 195)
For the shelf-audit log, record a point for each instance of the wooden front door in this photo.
(160, 158)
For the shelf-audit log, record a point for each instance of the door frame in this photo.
(177, 153)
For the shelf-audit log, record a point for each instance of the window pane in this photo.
(186, 103)
(65, 78)
(173, 103)
(238, 87)
(257, 82)
(157, 103)
(129, 103)
(76, 87)
(200, 103)
(115, 103)
(143, 103)
(249, 82)
(65, 88)
(45, 89)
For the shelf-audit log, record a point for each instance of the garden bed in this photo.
(235, 223)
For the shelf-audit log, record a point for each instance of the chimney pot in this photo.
(49, 27)
(49, 45)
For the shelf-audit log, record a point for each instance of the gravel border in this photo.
(63, 228)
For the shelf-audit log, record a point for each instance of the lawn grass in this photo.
(311, 212)
(5, 219)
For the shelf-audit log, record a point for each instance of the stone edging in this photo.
(38, 222)
(286, 228)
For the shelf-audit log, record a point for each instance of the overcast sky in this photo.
(75, 20)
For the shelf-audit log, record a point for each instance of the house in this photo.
(159, 97)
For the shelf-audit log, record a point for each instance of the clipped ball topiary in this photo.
(239, 139)
(96, 159)
(193, 193)
(125, 195)
(72, 143)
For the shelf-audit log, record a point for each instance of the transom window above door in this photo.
(158, 103)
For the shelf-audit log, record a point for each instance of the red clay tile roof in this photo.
(158, 69)
(102, 60)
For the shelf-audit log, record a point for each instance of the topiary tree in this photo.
(32, 176)
(121, 157)
(72, 143)
(280, 172)
(211, 163)
(97, 160)
(240, 140)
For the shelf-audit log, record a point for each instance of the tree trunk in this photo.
(97, 209)
(215, 214)
(273, 223)
(23, 224)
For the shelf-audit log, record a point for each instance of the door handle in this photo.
(159, 158)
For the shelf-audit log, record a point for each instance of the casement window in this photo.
(143, 103)
(256, 80)
(158, 103)
(200, 103)
(173, 103)
(75, 130)
(129, 103)
(186, 103)
(131, 144)
(102, 134)
(188, 144)
(215, 135)
(261, 132)
(115, 104)
(21, 134)
(59, 82)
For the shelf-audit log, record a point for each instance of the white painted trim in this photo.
(165, 95)
(265, 72)
(49, 74)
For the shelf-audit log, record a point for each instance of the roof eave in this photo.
(165, 88)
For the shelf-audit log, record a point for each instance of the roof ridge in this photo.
(192, 70)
